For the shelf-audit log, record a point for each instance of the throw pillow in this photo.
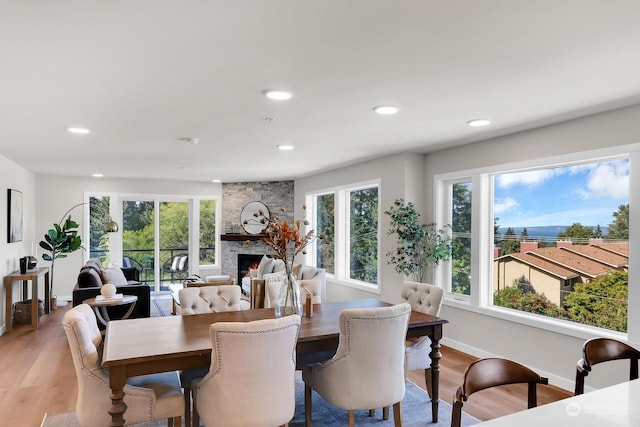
(264, 267)
(115, 276)
(278, 265)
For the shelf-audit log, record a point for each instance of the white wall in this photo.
(17, 178)
(56, 194)
(401, 177)
(477, 333)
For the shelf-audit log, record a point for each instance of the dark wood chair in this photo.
(599, 350)
(492, 372)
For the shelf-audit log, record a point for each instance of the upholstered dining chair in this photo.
(367, 370)
(598, 350)
(148, 397)
(199, 300)
(493, 372)
(427, 299)
(251, 379)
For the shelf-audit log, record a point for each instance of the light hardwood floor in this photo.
(37, 377)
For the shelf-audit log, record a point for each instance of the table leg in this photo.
(47, 294)
(8, 321)
(435, 369)
(34, 303)
(117, 380)
(99, 314)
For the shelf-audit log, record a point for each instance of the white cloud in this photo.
(607, 180)
(505, 205)
(530, 178)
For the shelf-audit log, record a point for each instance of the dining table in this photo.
(144, 346)
(616, 405)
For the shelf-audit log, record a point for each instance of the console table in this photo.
(33, 276)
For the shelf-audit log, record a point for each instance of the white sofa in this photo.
(310, 279)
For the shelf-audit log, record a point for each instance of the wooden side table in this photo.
(100, 306)
(33, 276)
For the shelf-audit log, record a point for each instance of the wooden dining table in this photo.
(160, 344)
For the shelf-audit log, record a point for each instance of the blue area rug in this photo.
(416, 411)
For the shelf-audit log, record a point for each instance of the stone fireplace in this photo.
(276, 195)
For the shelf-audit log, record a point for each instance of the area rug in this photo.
(416, 411)
(161, 305)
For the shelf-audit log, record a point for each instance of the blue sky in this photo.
(588, 194)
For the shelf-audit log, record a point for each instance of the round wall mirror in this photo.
(249, 221)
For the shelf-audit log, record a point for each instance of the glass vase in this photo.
(288, 299)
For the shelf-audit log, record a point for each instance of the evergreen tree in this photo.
(619, 229)
(510, 243)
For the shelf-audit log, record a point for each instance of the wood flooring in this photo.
(37, 377)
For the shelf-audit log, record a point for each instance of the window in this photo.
(461, 238)
(324, 213)
(363, 235)
(551, 240)
(207, 232)
(348, 217)
(154, 234)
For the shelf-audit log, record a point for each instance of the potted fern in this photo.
(419, 247)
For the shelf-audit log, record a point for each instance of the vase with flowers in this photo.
(288, 241)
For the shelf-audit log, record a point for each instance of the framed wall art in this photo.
(14, 216)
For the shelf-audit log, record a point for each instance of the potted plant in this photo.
(58, 242)
(418, 246)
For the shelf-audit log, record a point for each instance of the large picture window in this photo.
(556, 242)
(349, 218)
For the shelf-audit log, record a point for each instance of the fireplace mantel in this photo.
(241, 237)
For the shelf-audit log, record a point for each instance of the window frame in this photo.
(341, 233)
(480, 298)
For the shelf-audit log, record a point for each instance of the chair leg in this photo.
(428, 383)
(195, 417)
(456, 414)
(372, 412)
(307, 405)
(187, 406)
(352, 419)
(397, 414)
(385, 413)
(169, 422)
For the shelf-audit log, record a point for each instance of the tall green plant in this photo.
(60, 241)
(419, 246)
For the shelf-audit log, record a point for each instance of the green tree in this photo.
(619, 228)
(509, 243)
(461, 241)
(207, 232)
(524, 235)
(363, 234)
(577, 233)
(325, 249)
(602, 302)
(522, 296)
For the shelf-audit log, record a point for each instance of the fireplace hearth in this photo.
(247, 262)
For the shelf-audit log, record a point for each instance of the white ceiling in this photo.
(143, 73)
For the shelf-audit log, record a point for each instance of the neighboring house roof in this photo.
(599, 254)
(573, 261)
(621, 248)
(544, 265)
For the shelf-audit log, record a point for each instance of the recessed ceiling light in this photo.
(478, 122)
(216, 180)
(285, 147)
(385, 109)
(97, 175)
(79, 130)
(278, 95)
